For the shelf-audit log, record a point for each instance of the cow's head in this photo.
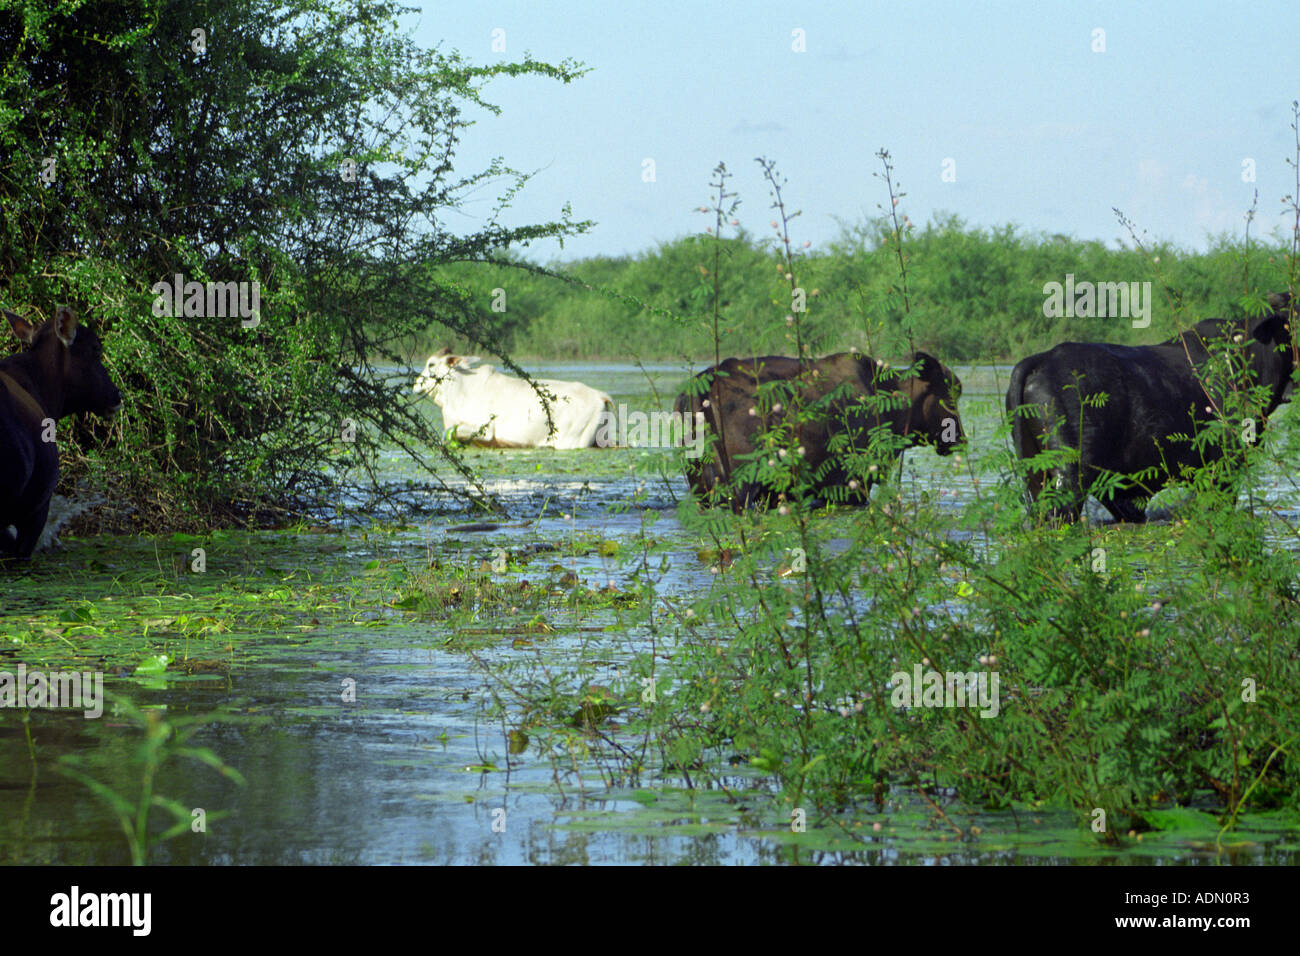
(933, 391)
(69, 368)
(1272, 354)
(437, 370)
(1281, 304)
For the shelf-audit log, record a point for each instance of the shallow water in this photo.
(400, 776)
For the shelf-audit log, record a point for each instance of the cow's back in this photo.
(575, 410)
(1134, 410)
(737, 418)
(507, 412)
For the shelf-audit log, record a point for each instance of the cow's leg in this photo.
(1030, 437)
(1063, 491)
(1035, 482)
(1065, 484)
(1127, 507)
(29, 530)
(8, 542)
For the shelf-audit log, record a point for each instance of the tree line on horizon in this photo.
(973, 294)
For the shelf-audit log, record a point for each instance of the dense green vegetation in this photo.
(1142, 671)
(1147, 677)
(1140, 677)
(132, 151)
(975, 294)
(1138, 671)
(305, 147)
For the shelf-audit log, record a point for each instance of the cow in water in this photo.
(60, 372)
(920, 407)
(1157, 397)
(484, 406)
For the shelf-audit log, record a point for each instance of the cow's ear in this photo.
(930, 369)
(441, 352)
(25, 331)
(65, 324)
(1271, 329)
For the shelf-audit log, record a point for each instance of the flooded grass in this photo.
(438, 692)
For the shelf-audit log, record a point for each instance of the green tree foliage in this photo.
(975, 294)
(221, 156)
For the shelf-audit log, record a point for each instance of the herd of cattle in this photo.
(1128, 410)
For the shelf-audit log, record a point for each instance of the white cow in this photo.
(489, 408)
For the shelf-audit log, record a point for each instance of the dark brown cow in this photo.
(1157, 398)
(924, 411)
(60, 373)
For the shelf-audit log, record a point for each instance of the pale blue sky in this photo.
(1043, 132)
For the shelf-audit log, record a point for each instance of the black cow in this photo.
(1157, 398)
(923, 410)
(60, 373)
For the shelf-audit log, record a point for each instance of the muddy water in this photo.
(412, 772)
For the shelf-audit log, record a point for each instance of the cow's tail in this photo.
(1024, 436)
(1036, 426)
